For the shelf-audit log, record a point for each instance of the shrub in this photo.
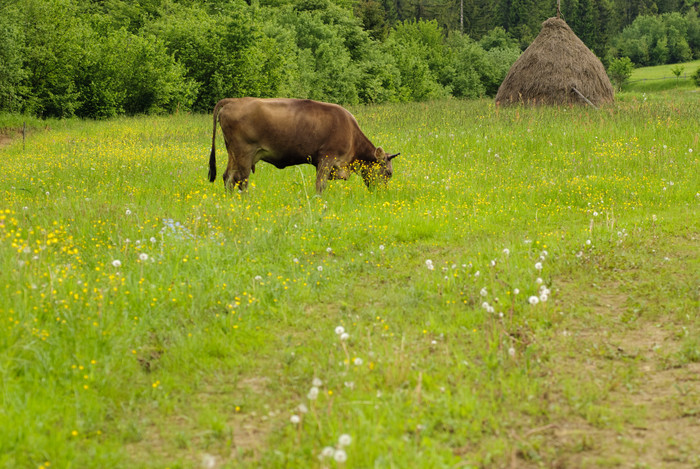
(696, 77)
(620, 70)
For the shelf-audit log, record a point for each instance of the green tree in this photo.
(620, 70)
(11, 71)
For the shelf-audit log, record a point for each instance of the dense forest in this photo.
(100, 58)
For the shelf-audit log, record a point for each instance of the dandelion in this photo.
(493, 263)
(344, 336)
(258, 278)
(316, 382)
(357, 361)
(320, 268)
(538, 266)
(295, 260)
(533, 300)
(313, 393)
(143, 257)
(483, 292)
(516, 291)
(117, 263)
(295, 419)
(539, 281)
(511, 352)
(339, 330)
(153, 239)
(381, 247)
(595, 214)
(340, 456)
(588, 241)
(506, 251)
(485, 305)
(429, 264)
(128, 212)
(329, 250)
(344, 440)
(327, 452)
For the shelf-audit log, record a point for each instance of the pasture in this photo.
(523, 293)
(661, 78)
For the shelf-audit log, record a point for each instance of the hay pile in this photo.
(547, 72)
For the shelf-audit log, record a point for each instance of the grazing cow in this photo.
(287, 132)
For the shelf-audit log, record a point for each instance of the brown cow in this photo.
(287, 132)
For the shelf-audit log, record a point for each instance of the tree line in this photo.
(100, 58)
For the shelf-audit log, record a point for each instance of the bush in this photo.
(620, 70)
(696, 77)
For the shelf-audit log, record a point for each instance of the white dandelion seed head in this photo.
(484, 292)
(493, 263)
(516, 291)
(344, 440)
(327, 452)
(539, 280)
(339, 330)
(143, 256)
(313, 393)
(588, 241)
(429, 264)
(340, 456)
(258, 278)
(344, 336)
(595, 214)
(316, 382)
(477, 273)
(538, 266)
(511, 351)
(128, 212)
(153, 239)
(381, 247)
(506, 251)
(295, 260)
(533, 300)
(329, 249)
(490, 309)
(295, 419)
(117, 263)
(320, 268)
(485, 305)
(544, 297)
(302, 409)
(357, 361)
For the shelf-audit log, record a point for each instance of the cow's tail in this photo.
(212, 156)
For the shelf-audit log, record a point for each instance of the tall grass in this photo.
(149, 319)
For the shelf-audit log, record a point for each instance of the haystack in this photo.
(557, 68)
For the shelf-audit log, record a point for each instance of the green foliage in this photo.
(696, 77)
(11, 71)
(620, 70)
(498, 38)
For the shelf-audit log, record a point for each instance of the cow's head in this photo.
(380, 170)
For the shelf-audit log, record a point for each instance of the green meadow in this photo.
(525, 292)
(661, 78)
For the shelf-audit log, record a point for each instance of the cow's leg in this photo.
(238, 168)
(323, 172)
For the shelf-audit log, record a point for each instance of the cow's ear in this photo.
(379, 154)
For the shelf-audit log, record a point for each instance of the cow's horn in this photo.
(390, 157)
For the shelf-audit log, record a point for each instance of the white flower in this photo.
(477, 273)
(296, 261)
(329, 250)
(538, 266)
(357, 361)
(143, 256)
(483, 292)
(128, 212)
(511, 352)
(153, 239)
(539, 280)
(316, 382)
(506, 251)
(381, 247)
(327, 452)
(533, 300)
(117, 263)
(344, 336)
(313, 393)
(302, 409)
(516, 291)
(493, 263)
(339, 330)
(294, 419)
(543, 297)
(340, 456)
(344, 440)
(588, 241)
(258, 278)
(320, 268)
(690, 150)
(485, 305)
(429, 264)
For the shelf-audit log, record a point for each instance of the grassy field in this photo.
(524, 293)
(661, 78)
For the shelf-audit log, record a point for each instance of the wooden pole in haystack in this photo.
(558, 8)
